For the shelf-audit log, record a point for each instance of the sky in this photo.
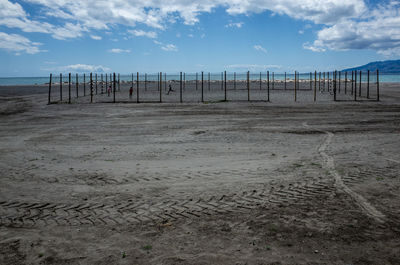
(124, 36)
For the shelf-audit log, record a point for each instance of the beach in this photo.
(203, 181)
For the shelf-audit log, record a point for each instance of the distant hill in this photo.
(391, 66)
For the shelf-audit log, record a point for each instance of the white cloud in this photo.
(95, 37)
(141, 33)
(18, 44)
(237, 25)
(190, 35)
(80, 68)
(115, 50)
(260, 48)
(167, 47)
(379, 31)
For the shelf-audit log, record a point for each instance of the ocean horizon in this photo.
(11, 81)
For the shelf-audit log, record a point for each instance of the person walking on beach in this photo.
(130, 92)
(170, 89)
(109, 90)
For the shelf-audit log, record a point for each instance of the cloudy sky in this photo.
(42, 36)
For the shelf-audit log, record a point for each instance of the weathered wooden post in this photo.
(295, 86)
(248, 85)
(160, 87)
(285, 81)
(352, 82)
(377, 85)
(196, 80)
(91, 88)
(234, 80)
(339, 80)
(225, 84)
(69, 88)
(359, 88)
(345, 82)
(260, 80)
(106, 84)
(49, 101)
(315, 86)
(137, 87)
(202, 88)
(145, 82)
(114, 86)
(96, 81)
(60, 87)
(180, 88)
(209, 80)
(77, 85)
(334, 85)
(355, 85)
(319, 82)
(84, 85)
(102, 84)
(268, 86)
(368, 84)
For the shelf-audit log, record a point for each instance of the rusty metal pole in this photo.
(248, 85)
(315, 86)
(202, 86)
(160, 87)
(49, 101)
(225, 84)
(180, 88)
(355, 85)
(91, 88)
(295, 86)
(137, 87)
(69, 88)
(268, 86)
(359, 88)
(377, 85)
(77, 85)
(60, 87)
(368, 84)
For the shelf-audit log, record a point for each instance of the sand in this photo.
(199, 183)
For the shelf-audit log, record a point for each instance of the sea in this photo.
(8, 81)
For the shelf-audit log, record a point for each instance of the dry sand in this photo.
(219, 183)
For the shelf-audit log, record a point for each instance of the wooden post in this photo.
(102, 84)
(132, 85)
(180, 88)
(49, 101)
(84, 85)
(225, 84)
(355, 85)
(339, 80)
(114, 86)
(352, 82)
(69, 88)
(260, 80)
(319, 82)
(315, 86)
(368, 84)
(91, 88)
(285, 82)
(234, 80)
(334, 85)
(96, 81)
(377, 85)
(359, 88)
(268, 86)
(310, 81)
(295, 86)
(202, 86)
(345, 82)
(137, 87)
(222, 80)
(184, 81)
(160, 87)
(145, 82)
(60, 87)
(77, 85)
(209, 80)
(165, 81)
(158, 81)
(196, 80)
(248, 85)
(106, 84)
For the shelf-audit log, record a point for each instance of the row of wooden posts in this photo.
(114, 81)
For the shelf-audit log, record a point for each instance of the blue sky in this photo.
(42, 36)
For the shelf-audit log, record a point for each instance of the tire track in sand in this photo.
(368, 209)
